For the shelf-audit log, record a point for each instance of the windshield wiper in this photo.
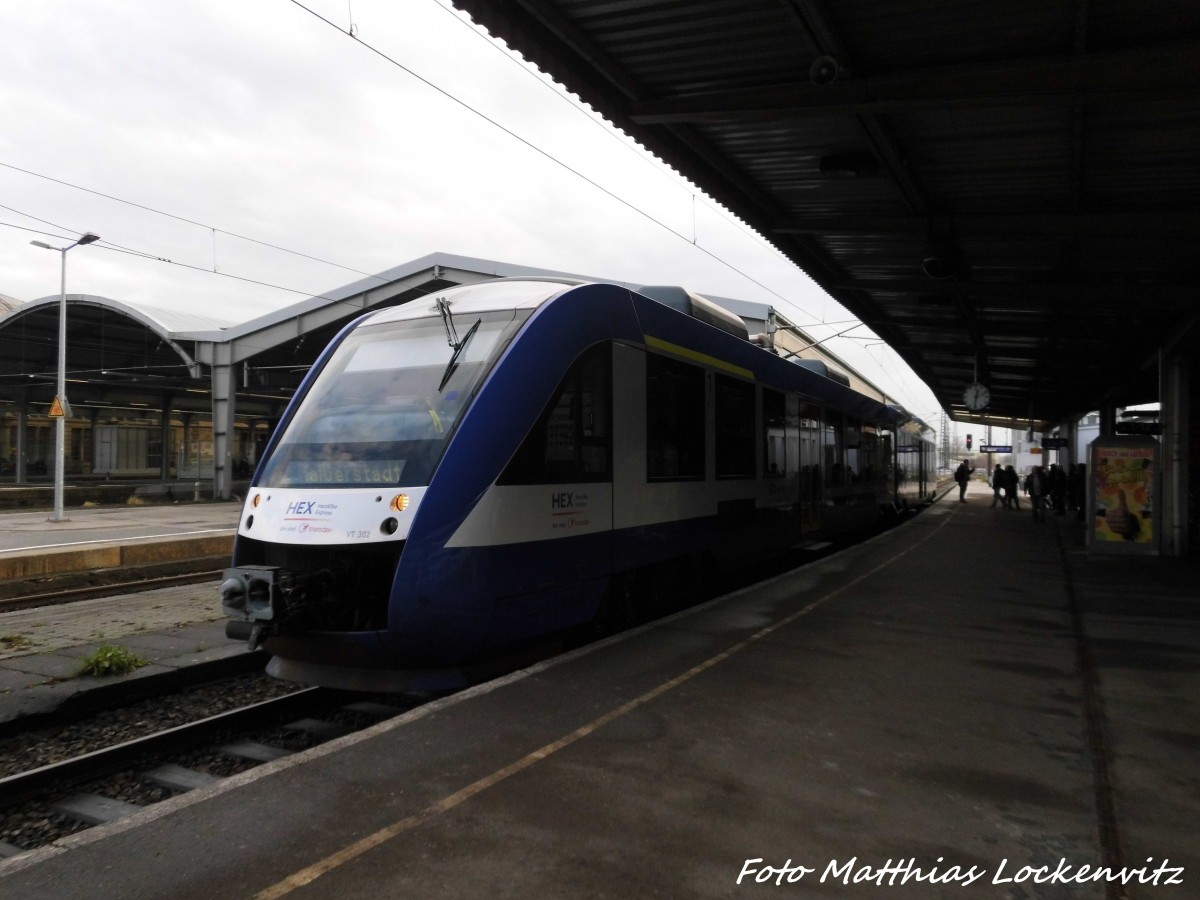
(451, 335)
(452, 338)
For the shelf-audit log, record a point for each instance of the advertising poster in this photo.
(1122, 496)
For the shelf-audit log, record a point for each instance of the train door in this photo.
(807, 418)
(630, 497)
(547, 523)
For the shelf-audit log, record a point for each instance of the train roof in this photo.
(480, 297)
(529, 292)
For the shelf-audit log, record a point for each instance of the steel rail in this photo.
(92, 591)
(23, 786)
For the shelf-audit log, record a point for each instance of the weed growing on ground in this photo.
(111, 660)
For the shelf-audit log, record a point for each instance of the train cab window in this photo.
(733, 421)
(572, 440)
(674, 420)
(385, 404)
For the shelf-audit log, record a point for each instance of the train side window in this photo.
(572, 440)
(734, 426)
(674, 420)
(835, 468)
(775, 437)
(808, 417)
(870, 456)
(885, 456)
(852, 444)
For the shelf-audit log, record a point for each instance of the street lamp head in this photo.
(88, 238)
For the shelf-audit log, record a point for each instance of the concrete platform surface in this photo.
(97, 538)
(968, 706)
(42, 649)
(27, 531)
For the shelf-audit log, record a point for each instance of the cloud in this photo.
(258, 119)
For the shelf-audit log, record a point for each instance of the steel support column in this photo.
(1174, 415)
(224, 405)
(21, 464)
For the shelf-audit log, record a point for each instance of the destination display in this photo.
(334, 471)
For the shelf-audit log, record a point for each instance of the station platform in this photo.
(175, 627)
(109, 536)
(970, 705)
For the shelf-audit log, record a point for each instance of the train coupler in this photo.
(264, 600)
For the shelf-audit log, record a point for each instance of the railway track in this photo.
(44, 803)
(33, 598)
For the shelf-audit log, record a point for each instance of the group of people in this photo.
(1004, 482)
(1054, 489)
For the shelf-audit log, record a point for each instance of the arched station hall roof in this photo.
(117, 352)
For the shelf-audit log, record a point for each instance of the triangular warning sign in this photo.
(56, 409)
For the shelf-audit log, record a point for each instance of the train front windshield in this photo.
(383, 407)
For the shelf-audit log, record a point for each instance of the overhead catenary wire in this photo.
(535, 148)
(178, 218)
(352, 33)
(617, 136)
(112, 246)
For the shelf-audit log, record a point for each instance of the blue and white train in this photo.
(509, 459)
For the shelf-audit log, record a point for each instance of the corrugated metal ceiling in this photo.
(1046, 153)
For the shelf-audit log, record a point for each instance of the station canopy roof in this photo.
(1006, 193)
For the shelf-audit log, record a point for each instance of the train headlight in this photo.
(257, 500)
(400, 502)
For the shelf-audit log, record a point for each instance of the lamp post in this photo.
(60, 432)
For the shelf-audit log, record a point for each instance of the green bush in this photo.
(110, 660)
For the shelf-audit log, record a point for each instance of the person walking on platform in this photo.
(1076, 486)
(998, 482)
(1035, 487)
(1012, 484)
(1056, 486)
(962, 475)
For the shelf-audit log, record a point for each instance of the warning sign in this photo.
(60, 409)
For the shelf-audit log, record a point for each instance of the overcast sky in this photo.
(190, 130)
